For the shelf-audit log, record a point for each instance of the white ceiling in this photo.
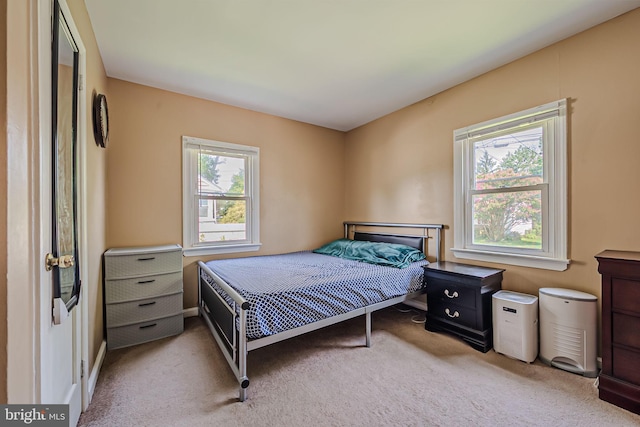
(332, 63)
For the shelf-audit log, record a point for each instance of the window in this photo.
(220, 197)
(510, 189)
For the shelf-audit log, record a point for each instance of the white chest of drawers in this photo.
(142, 294)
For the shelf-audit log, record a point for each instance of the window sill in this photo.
(513, 259)
(222, 249)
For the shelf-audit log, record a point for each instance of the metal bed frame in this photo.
(220, 316)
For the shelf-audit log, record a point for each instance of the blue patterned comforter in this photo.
(291, 290)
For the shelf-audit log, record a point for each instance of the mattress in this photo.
(290, 290)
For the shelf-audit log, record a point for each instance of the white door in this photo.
(60, 368)
(43, 359)
(60, 114)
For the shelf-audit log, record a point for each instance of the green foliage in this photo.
(497, 214)
(208, 165)
(486, 164)
(237, 183)
(535, 234)
(523, 161)
(233, 212)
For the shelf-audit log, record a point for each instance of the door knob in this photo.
(65, 261)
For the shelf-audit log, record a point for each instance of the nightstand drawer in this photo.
(142, 287)
(138, 333)
(127, 264)
(447, 292)
(125, 313)
(453, 313)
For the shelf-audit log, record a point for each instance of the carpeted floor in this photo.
(409, 377)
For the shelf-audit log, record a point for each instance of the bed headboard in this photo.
(402, 236)
(415, 242)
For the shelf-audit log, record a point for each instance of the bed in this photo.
(251, 302)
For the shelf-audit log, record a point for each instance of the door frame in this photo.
(29, 306)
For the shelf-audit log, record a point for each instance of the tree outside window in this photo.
(507, 209)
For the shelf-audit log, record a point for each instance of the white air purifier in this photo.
(515, 325)
(568, 330)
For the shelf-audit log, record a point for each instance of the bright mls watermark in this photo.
(35, 415)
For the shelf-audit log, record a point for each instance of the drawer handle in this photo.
(454, 295)
(148, 326)
(146, 304)
(147, 281)
(146, 259)
(454, 315)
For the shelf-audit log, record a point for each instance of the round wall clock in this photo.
(100, 120)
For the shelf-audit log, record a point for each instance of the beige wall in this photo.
(3, 206)
(20, 152)
(401, 166)
(95, 81)
(301, 171)
(398, 168)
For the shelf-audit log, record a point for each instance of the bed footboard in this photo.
(227, 317)
(220, 317)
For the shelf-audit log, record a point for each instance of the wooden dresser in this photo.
(620, 377)
(459, 301)
(142, 294)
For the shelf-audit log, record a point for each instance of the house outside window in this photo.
(220, 197)
(510, 189)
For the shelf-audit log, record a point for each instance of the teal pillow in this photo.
(386, 254)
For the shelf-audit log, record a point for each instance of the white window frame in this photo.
(190, 212)
(553, 255)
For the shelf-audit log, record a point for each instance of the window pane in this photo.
(204, 208)
(509, 160)
(228, 224)
(512, 219)
(221, 174)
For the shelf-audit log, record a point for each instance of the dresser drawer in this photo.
(142, 287)
(140, 264)
(453, 313)
(448, 292)
(625, 330)
(125, 313)
(138, 333)
(625, 364)
(626, 295)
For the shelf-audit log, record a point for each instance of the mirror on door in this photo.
(63, 260)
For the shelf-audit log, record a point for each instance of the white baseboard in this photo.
(190, 312)
(97, 365)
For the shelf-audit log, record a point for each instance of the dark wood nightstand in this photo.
(459, 301)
